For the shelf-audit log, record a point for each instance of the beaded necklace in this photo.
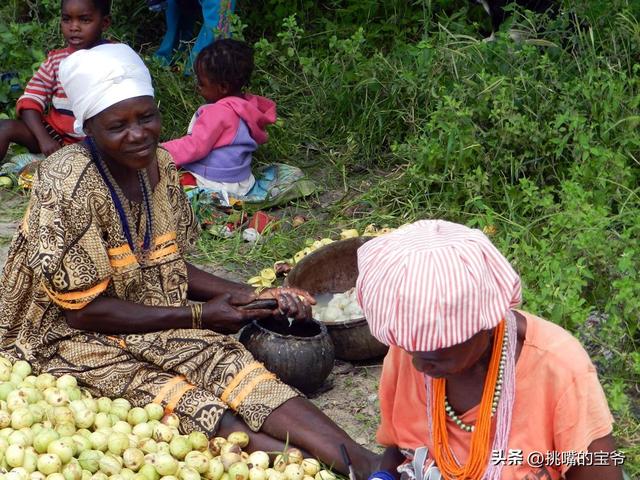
(478, 465)
(480, 446)
(122, 204)
(496, 393)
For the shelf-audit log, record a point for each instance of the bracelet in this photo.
(196, 315)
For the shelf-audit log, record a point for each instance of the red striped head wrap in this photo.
(433, 284)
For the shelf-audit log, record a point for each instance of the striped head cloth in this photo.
(433, 284)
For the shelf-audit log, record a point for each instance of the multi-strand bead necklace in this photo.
(496, 393)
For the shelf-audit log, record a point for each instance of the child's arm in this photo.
(33, 102)
(214, 127)
(33, 121)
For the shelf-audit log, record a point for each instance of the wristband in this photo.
(196, 315)
(381, 475)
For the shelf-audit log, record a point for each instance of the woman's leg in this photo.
(169, 41)
(215, 17)
(310, 429)
(224, 367)
(259, 440)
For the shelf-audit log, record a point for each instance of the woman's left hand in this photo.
(292, 302)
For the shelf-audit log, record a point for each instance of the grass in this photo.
(13, 203)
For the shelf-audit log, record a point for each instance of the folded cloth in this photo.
(275, 184)
(22, 167)
(420, 468)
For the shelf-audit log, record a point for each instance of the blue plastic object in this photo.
(381, 475)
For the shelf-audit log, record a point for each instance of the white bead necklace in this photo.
(496, 394)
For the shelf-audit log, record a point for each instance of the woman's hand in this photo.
(219, 315)
(292, 302)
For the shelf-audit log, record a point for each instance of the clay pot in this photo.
(301, 355)
(334, 269)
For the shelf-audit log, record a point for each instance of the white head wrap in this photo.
(102, 76)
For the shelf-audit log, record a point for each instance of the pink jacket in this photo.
(222, 137)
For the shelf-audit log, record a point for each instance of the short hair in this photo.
(226, 61)
(103, 6)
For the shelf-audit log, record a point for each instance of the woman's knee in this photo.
(231, 423)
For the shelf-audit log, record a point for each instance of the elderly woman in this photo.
(96, 284)
(472, 389)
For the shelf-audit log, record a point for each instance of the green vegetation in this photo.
(401, 112)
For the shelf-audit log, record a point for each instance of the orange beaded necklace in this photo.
(479, 452)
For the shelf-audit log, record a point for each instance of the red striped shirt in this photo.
(45, 94)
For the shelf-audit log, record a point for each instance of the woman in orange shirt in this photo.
(472, 389)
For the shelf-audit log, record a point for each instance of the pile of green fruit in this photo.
(52, 429)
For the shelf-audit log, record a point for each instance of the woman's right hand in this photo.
(220, 316)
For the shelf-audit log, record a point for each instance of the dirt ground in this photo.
(348, 396)
(351, 400)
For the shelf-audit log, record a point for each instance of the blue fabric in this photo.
(210, 22)
(275, 184)
(156, 5)
(180, 24)
(215, 15)
(381, 475)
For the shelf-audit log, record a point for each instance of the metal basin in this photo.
(334, 269)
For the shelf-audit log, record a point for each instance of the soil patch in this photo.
(350, 398)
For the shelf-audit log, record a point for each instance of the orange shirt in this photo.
(559, 404)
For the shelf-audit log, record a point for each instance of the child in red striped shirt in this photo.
(45, 120)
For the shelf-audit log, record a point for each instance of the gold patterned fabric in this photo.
(70, 249)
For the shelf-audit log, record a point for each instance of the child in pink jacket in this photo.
(224, 133)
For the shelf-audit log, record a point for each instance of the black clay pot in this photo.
(301, 355)
(334, 269)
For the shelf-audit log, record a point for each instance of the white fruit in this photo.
(239, 438)
(49, 463)
(239, 471)
(311, 466)
(259, 459)
(293, 471)
(325, 475)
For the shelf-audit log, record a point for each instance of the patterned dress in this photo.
(70, 249)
